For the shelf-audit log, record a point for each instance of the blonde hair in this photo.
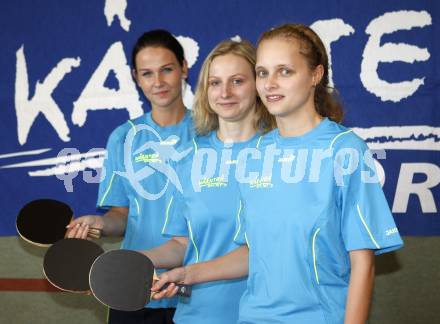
(313, 49)
(205, 119)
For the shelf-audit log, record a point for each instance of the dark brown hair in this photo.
(312, 48)
(158, 38)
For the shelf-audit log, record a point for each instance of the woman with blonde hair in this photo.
(228, 117)
(205, 118)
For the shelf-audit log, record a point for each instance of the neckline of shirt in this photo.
(216, 142)
(310, 135)
(150, 121)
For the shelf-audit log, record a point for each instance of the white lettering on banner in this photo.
(69, 170)
(236, 38)
(414, 137)
(96, 165)
(330, 31)
(188, 96)
(70, 161)
(406, 187)
(96, 96)
(114, 8)
(191, 49)
(27, 109)
(375, 53)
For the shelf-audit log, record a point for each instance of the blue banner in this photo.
(66, 84)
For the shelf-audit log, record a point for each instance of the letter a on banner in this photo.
(96, 96)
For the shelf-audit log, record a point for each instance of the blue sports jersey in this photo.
(312, 199)
(205, 212)
(139, 153)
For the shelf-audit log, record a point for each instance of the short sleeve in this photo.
(111, 188)
(176, 216)
(367, 222)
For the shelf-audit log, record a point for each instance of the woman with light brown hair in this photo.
(201, 216)
(308, 239)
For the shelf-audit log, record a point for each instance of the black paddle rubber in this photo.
(122, 280)
(67, 264)
(43, 222)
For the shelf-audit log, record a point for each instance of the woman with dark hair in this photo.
(314, 214)
(133, 191)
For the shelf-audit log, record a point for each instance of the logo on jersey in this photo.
(262, 183)
(391, 231)
(213, 182)
(164, 152)
(148, 158)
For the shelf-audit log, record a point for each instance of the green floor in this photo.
(407, 287)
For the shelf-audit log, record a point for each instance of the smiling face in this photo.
(285, 82)
(231, 88)
(159, 75)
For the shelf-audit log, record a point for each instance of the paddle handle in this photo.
(184, 290)
(94, 233)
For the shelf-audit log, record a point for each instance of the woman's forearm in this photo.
(361, 286)
(115, 221)
(230, 266)
(168, 255)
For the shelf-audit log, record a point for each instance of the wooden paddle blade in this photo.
(67, 264)
(122, 279)
(43, 222)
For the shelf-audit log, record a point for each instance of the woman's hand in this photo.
(171, 277)
(85, 227)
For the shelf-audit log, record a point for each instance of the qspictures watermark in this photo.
(212, 168)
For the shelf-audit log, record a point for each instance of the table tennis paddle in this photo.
(43, 222)
(122, 280)
(67, 263)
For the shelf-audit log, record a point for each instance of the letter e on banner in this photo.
(374, 53)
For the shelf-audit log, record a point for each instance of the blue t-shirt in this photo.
(311, 200)
(205, 211)
(139, 153)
